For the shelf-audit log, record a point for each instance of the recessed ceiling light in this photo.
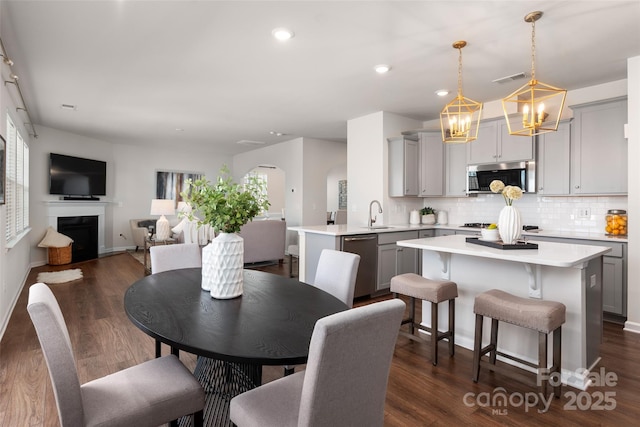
(382, 68)
(442, 92)
(273, 132)
(179, 130)
(282, 34)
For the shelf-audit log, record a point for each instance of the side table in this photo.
(152, 241)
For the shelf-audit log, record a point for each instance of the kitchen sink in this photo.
(378, 227)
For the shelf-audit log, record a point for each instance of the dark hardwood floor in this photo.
(419, 394)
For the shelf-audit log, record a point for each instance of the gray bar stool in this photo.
(434, 291)
(542, 316)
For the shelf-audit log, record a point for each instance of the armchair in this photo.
(140, 229)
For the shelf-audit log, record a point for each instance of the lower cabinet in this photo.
(394, 259)
(614, 274)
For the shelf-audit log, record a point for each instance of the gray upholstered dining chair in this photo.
(149, 394)
(172, 257)
(345, 381)
(336, 274)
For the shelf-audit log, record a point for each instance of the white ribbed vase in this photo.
(509, 225)
(223, 266)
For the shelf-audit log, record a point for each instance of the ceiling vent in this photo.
(250, 143)
(510, 78)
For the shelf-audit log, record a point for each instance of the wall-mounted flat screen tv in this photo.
(78, 177)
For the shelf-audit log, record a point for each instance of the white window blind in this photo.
(17, 183)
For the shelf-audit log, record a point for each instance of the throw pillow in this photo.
(54, 239)
(180, 227)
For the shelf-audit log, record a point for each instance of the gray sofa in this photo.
(264, 240)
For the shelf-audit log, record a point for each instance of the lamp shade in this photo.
(184, 207)
(162, 207)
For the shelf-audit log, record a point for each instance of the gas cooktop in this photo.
(486, 224)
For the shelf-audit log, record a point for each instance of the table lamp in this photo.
(162, 207)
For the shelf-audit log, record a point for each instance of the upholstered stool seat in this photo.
(434, 291)
(543, 316)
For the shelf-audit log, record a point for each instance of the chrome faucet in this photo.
(372, 219)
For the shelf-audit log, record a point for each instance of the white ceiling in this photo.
(137, 70)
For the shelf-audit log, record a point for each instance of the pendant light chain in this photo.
(533, 50)
(460, 72)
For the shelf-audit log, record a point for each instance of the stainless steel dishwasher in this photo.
(365, 245)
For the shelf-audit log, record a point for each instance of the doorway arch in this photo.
(275, 179)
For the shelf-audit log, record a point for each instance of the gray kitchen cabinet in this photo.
(393, 259)
(403, 166)
(456, 170)
(553, 173)
(495, 145)
(445, 232)
(614, 274)
(431, 164)
(426, 233)
(599, 148)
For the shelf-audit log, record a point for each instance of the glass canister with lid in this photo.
(616, 222)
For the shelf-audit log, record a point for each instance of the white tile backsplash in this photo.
(548, 213)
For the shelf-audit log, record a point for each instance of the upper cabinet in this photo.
(495, 145)
(456, 167)
(599, 148)
(553, 176)
(403, 166)
(431, 164)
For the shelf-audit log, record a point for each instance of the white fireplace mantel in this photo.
(67, 208)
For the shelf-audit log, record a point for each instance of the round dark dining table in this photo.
(271, 323)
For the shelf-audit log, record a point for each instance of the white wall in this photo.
(368, 169)
(131, 180)
(306, 163)
(633, 266)
(319, 158)
(14, 262)
(286, 156)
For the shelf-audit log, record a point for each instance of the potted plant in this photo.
(428, 215)
(226, 206)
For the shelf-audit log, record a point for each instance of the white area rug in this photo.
(59, 276)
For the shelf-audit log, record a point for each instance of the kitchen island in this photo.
(567, 273)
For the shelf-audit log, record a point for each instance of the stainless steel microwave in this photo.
(522, 174)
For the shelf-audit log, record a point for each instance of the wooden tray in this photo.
(499, 245)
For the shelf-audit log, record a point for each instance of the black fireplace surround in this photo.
(84, 232)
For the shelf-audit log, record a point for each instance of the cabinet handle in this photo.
(577, 186)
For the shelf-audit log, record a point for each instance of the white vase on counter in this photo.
(414, 217)
(509, 225)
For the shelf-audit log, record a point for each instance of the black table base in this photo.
(222, 381)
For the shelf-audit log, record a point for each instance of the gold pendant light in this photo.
(459, 120)
(539, 105)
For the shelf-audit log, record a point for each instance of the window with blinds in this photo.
(17, 183)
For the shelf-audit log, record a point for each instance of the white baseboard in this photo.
(632, 327)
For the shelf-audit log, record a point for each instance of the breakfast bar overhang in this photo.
(567, 273)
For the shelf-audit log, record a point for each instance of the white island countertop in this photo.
(547, 253)
(347, 230)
